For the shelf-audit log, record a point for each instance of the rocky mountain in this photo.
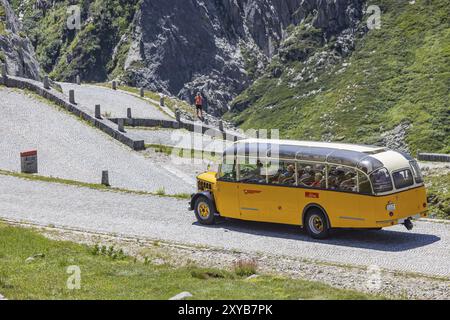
(218, 47)
(214, 46)
(311, 68)
(16, 50)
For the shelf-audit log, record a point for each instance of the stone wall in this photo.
(434, 157)
(58, 98)
(184, 124)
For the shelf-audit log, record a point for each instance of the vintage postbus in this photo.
(316, 185)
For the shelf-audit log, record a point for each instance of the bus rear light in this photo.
(424, 205)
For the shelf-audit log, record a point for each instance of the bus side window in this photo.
(364, 184)
(342, 179)
(311, 175)
(252, 171)
(283, 173)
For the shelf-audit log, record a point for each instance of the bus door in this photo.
(254, 197)
(226, 193)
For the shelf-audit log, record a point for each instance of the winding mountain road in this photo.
(424, 250)
(115, 103)
(71, 149)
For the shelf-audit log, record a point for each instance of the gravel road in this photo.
(70, 149)
(424, 250)
(114, 102)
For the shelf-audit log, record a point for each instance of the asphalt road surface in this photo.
(424, 250)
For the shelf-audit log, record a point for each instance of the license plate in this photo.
(391, 207)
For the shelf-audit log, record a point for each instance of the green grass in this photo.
(398, 74)
(64, 53)
(439, 189)
(2, 28)
(108, 274)
(2, 20)
(89, 185)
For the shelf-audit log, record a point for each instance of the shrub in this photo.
(245, 267)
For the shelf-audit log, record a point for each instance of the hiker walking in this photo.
(199, 105)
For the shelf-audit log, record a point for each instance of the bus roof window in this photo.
(345, 157)
(313, 153)
(370, 164)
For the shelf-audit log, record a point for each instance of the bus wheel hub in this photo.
(203, 209)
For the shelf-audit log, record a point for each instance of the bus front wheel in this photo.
(316, 224)
(204, 211)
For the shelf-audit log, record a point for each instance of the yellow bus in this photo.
(316, 185)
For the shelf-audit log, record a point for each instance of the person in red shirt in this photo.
(199, 105)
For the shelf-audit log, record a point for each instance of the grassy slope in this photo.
(400, 73)
(2, 18)
(438, 187)
(115, 276)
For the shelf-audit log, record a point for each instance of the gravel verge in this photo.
(391, 284)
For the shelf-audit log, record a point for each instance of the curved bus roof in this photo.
(366, 158)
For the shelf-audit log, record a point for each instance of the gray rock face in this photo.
(181, 47)
(16, 49)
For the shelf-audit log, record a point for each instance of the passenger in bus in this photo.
(318, 180)
(350, 183)
(288, 177)
(308, 177)
(336, 177)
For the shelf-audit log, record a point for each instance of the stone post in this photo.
(72, 96)
(4, 71)
(161, 100)
(121, 125)
(129, 113)
(78, 80)
(46, 83)
(114, 85)
(105, 178)
(98, 114)
(178, 115)
(142, 92)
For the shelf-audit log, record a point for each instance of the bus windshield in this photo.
(381, 181)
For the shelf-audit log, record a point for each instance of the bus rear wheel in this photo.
(204, 211)
(316, 224)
